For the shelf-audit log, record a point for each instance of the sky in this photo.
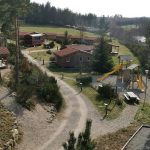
(127, 8)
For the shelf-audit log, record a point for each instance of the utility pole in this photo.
(17, 50)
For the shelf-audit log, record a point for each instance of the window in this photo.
(68, 59)
(88, 58)
(81, 59)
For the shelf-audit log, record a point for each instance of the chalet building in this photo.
(23, 34)
(4, 53)
(74, 56)
(114, 49)
(33, 39)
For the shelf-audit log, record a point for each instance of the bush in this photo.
(49, 52)
(49, 91)
(34, 82)
(85, 80)
(107, 92)
(24, 94)
(52, 44)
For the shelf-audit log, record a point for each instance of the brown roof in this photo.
(81, 47)
(70, 49)
(4, 51)
(65, 52)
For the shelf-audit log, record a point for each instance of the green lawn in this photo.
(143, 114)
(92, 94)
(123, 50)
(129, 27)
(57, 30)
(66, 72)
(40, 56)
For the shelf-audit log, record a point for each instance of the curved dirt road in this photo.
(78, 109)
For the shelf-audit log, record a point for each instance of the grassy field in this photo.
(57, 30)
(129, 27)
(92, 94)
(6, 123)
(123, 50)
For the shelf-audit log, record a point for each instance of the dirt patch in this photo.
(116, 140)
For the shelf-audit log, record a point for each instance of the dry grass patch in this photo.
(6, 123)
(115, 141)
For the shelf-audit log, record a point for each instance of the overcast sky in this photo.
(127, 8)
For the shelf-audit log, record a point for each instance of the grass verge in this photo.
(91, 93)
(115, 141)
(6, 123)
(143, 114)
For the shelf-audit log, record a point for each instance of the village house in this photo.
(4, 53)
(31, 38)
(74, 56)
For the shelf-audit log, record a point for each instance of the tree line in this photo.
(40, 14)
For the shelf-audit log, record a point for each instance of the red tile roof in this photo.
(65, 52)
(4, 51)
(70, 49)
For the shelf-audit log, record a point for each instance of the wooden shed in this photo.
(34, 39)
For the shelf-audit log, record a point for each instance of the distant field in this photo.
(129, 27)
(57, 30)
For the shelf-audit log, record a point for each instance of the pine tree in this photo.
(102, 60)
(10, 11)
(70, 145)
(84, 141)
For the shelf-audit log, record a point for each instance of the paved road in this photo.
(78, 109)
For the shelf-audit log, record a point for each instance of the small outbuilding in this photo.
(33, 39)
(4, 53)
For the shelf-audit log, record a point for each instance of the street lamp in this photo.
(81, 84)
(146, 72)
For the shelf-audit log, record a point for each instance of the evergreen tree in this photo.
(103, 26)
(70, 145)
(102, 60)
(84, 141)
(10, 11)
(66, 40)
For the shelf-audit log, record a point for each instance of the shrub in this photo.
(107, 92)
(49, 52)
(85, 80)
(49, 91)
(24, 94)
(52, 44)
